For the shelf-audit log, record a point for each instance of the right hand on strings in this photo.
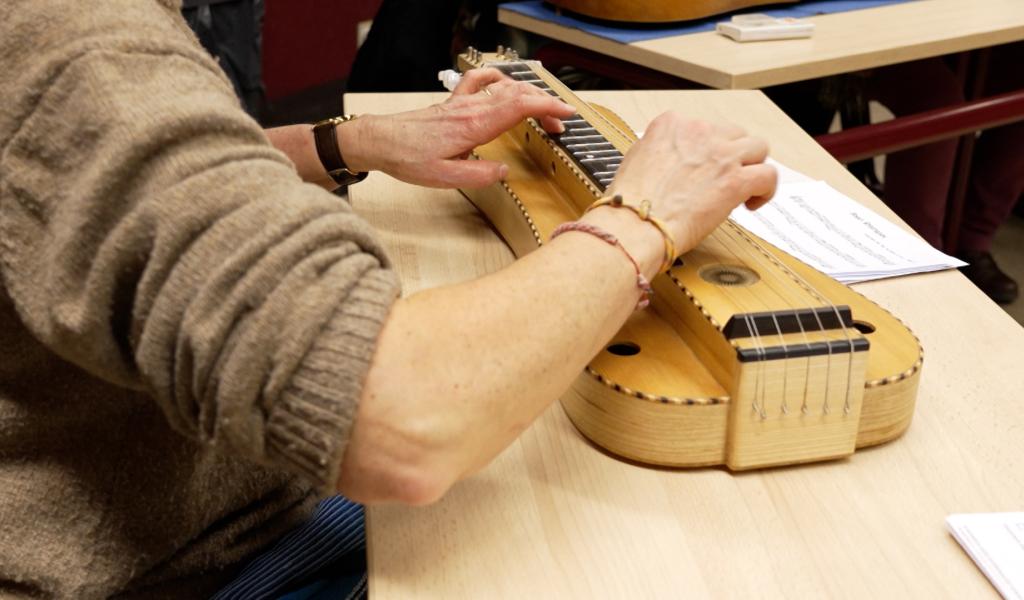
(694, 174)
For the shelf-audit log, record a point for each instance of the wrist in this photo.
(354, 143)
(641, 240)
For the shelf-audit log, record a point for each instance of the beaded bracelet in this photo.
(641, 282)
(644, 212)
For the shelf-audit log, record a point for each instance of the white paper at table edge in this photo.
(844, 203)
(788, 175)
(984, 563)
(937, 259)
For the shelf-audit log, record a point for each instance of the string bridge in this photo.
(794, 333)
(777, 322)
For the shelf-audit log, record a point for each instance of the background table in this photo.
(842, 42)
(554, 517)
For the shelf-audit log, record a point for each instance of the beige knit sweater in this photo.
(184, 324)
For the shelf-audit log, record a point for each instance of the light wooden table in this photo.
(553, 517)
(842, 42)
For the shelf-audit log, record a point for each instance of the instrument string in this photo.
(835, 310)
(778, 328)
(759, 397)
(804, 409)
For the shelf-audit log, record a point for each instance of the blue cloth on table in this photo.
(629, 33)
(323, 558)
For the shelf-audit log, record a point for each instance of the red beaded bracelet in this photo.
(641, 282)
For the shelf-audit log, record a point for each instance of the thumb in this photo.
(470, 173)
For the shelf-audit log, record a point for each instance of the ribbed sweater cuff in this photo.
(310, 424)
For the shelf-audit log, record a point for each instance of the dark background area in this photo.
(308, 49)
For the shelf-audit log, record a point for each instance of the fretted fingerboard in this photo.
(581, 141)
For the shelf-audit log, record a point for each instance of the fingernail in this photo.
(502, 172)
(560, 128)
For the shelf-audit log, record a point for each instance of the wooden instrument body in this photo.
(657, 11)
(672, 388)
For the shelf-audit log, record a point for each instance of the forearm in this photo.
(441, 401)
(296, 142)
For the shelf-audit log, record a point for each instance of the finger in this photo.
(545, 108)
(456, 173)
(475, 80)
(730, 131)
(760, 182)
(751, 150)
(550, 123)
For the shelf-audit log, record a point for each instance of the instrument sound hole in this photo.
(552, 167)
(678, 262)
(729, 275)
(623, 349)
(863, 327)
(527, 137)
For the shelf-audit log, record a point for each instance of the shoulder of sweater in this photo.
(39, 40)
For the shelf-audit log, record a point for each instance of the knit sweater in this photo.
(185, 326)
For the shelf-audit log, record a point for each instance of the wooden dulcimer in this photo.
(746, 357)
(657, 11)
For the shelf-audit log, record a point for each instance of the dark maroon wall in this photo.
(310, 42)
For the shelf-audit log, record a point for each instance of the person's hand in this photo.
(694, 174)
(429, 146)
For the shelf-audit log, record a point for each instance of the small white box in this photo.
(758, 27)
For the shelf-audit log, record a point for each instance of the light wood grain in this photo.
(842, 42)
(554, 517)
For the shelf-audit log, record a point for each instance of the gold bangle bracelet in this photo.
(643, 211)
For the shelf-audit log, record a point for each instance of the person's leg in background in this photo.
(996, 182)
(917, 179)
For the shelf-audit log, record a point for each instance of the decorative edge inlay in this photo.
(637, 394)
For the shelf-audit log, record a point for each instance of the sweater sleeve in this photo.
(151, 235)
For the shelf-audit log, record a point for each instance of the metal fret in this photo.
(574, 138)
(600, 155)
(587, 147)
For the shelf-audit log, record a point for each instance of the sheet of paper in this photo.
(996, 543)
(837, 235)
(787, 175)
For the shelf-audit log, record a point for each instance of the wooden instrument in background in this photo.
(746, 357)
(657, 11)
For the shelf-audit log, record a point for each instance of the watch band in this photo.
(325, 136)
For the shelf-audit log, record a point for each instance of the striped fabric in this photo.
(326, 557)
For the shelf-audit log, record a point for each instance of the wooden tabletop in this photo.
(553, 517)
(842, 42)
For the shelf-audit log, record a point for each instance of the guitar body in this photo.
(656, 11)
(746, 357)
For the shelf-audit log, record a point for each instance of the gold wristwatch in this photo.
(325, 137)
